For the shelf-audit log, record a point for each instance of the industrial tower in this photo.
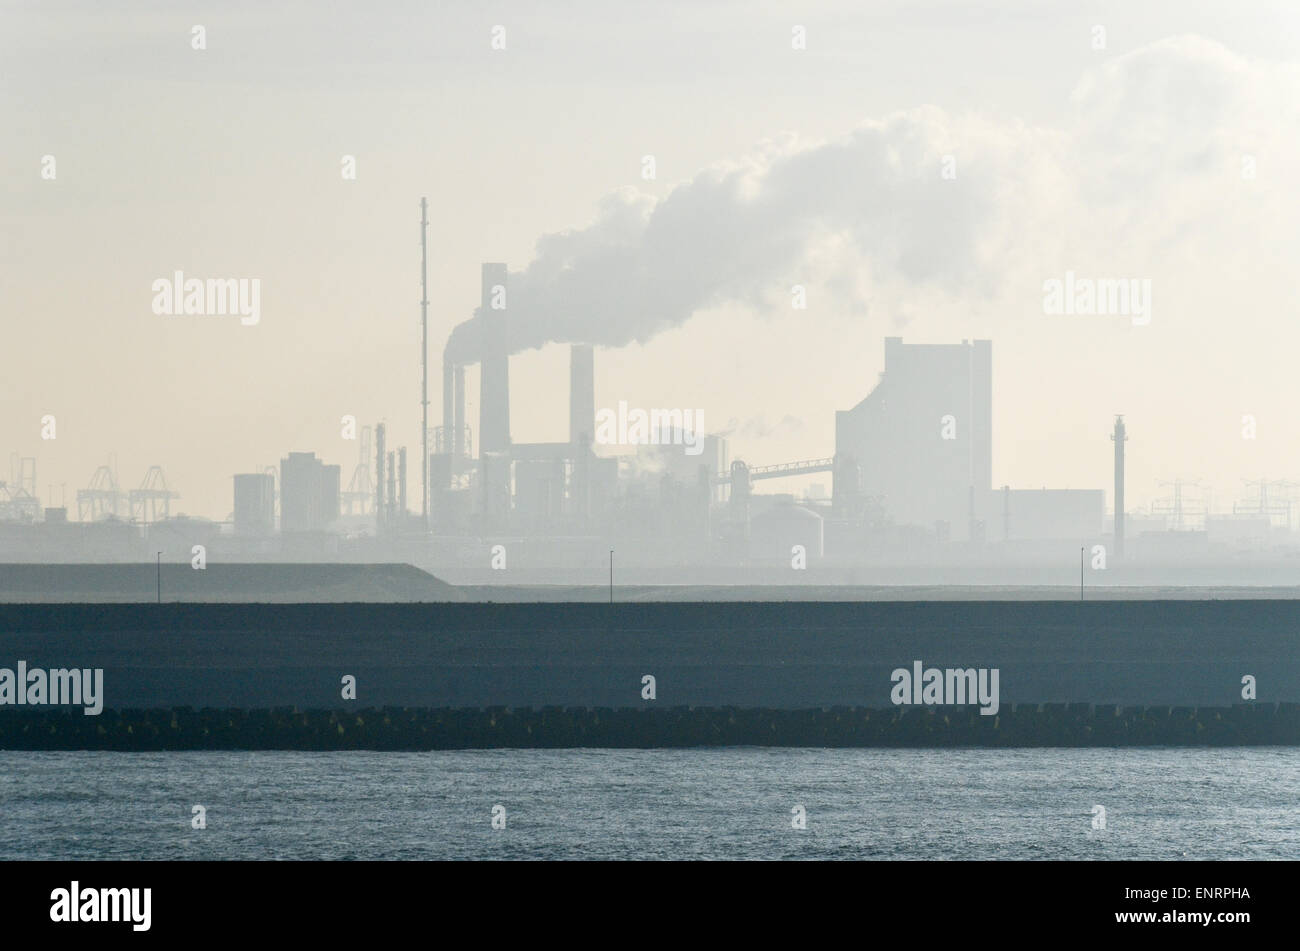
(1119, 436)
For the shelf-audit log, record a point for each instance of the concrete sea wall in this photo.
(1127, 664)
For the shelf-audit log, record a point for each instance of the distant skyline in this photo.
(1171, 158)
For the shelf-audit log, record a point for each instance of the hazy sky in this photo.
(1172, 155)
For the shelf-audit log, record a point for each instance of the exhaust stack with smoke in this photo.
(448, 407)
(494, 363)
(458, 431)
(582, 395)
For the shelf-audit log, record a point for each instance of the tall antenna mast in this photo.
(424, 365)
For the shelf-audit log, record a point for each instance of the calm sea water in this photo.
(662, 804)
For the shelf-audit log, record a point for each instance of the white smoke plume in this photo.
(1114, 184)
(740, 233)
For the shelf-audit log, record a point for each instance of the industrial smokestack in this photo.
(1119, 436)
(401, 480)
(392, 488)
(458, 440)
(448, 403)
(424, 374)
(494, 366)
(582, 394)
(380, 510)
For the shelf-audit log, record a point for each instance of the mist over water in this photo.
(731, 803)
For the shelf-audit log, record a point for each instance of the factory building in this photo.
(921, 443)
(711, 459)
(309, 493)
(254, 504)
(914, 456)
(784, 526)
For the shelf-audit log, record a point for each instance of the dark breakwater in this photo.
(555, 727)
(460, 676)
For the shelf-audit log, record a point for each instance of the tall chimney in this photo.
(392, 488)
(424, 374)
(381, 511)
(494, 366)
(448, 404)
(1119, 436)
(582, 394)
(401, 480)
(458, 427)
